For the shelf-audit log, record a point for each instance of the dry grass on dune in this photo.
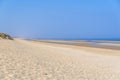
(5, 36)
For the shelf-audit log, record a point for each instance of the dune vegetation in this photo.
(5, 36)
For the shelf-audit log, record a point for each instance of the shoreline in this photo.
(114, 45)
(87, 48)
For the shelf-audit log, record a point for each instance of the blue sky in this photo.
(61, 19)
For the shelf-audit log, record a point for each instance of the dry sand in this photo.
(29, 60)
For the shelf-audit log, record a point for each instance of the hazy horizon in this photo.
(64, 19)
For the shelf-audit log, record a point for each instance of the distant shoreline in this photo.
(84, 39)
(114, 45)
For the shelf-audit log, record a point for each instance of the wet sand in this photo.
(33, 60)
(115, 45)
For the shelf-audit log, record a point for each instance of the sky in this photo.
(61, 19)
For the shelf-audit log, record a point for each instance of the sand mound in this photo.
(5, 36)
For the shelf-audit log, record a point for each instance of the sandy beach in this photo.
(31, 60)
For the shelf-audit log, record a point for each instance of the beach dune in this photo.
(30, 60)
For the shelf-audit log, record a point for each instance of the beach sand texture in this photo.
(29, 60)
